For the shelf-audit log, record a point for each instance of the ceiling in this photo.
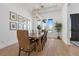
(42, 7)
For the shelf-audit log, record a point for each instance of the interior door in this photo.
(74, 27)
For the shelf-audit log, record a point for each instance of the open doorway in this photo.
(51, 28)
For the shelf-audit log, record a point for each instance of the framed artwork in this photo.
(20, 26)
(13, 16)
(20, 18)
(13, 26)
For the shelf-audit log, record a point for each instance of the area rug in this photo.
(75, 43)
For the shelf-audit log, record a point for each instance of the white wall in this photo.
(65, 31)
(56, 15)
(8, 37)
(73, 8)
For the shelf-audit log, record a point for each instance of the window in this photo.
(51, 24)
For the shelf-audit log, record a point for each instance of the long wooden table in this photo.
(38, 37)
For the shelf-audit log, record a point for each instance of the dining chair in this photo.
(25, 44)
(44, 38)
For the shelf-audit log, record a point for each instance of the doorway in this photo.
(75, 29)
(51, 29)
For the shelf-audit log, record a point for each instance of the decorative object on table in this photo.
(13, 16)
(58, 27)
(39, 28)
(13, 26)
(20, 18)
(20, 26)
(44, 20)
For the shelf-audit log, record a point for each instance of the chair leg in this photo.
(42, 45)
(36, 48)
(29, 53)
(19, 51)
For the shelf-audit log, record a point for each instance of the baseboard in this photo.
(8, 45)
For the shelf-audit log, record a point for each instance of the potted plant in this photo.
(58, 27)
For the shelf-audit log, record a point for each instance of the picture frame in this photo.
(20, 18)
(13, 16)
(13, 26)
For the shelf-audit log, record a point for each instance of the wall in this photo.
(73, 8)
(56, 15)
(65, 29)
(8, 37)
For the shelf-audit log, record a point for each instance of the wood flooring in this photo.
(53, 47)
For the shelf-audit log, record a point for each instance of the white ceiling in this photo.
(43, 7)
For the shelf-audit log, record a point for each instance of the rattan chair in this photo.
(44, 38)
(25, 44)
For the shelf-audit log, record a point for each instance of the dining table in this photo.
(37, 36)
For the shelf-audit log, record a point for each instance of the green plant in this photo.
(58, 27)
